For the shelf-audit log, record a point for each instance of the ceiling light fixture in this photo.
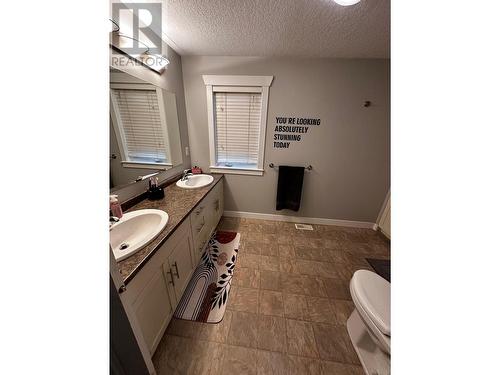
(346, 3)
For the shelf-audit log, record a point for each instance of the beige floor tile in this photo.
(229, 223)
(269, 249)
(285, 239)
(343, 310)
(320, 310)
(304, 366)
(268, 263)
(255, 237)
(248, 261)
(184, 328)
(334, 344)
(286, 251)
(336, 368)
(216, 332)
(313, 286)
(246, 277)
(306, 267)
(271, 363)
(178, 355)
(300, 339)
(287, 265)
(272, 334)
(238, 360)
(345, 273)
(269, 238)
(244, 299)
(251, 247)
(271, 303)
(295, 306)
(243, 330)
(301, 241)
(270, 280)
(309, 253)
(337, 288)
(291, 283)
(337, 256)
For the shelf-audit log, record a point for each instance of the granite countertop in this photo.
(178, 203)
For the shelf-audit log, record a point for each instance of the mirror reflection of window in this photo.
(144, 129)
(141, 125)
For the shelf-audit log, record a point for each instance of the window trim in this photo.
(116, 121)
(216, 83)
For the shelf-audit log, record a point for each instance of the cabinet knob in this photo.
(122, 288)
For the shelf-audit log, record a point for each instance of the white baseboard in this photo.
(305, 220)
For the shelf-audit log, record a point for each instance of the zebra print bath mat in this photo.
(206, 296)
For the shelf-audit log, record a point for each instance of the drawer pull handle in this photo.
(171, 278)
(176, 270)
(200, 226)
(198, 211)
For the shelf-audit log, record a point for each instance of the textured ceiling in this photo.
(306, 28)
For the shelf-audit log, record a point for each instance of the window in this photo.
(138, 116)
(237, 116)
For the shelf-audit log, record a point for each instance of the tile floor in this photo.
(287, 309)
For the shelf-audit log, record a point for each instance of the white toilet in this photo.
(369, 325)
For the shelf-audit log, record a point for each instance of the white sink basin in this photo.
(135, 230)
(195, 181)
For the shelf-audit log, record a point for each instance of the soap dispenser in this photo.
(115, 207)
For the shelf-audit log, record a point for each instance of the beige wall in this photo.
(171, 80)
(349, 151)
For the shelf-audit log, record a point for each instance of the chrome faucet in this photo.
(186, 174)
(113, 220)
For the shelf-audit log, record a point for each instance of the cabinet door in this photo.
(179, 267)
(153, 309)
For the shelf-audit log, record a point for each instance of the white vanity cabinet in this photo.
(157, 288)
(205, 217)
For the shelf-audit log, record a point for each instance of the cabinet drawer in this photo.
(199, 218)
(200, 241)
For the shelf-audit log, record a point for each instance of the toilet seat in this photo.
(371, 295)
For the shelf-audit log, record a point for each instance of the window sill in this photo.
(142, 165)
(235, 170)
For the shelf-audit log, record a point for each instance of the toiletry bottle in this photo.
(116, 208)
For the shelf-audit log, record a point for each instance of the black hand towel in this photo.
(289, 187)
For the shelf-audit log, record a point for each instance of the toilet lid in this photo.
(374, 295)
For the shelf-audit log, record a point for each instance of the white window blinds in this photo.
(143, 134)
(237, 127)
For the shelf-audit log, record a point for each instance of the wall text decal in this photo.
(291, 129)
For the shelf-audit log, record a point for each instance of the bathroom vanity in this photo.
(156, 276)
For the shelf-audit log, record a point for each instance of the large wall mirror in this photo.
(144, 130)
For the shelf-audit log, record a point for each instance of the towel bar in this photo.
(309, 167)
